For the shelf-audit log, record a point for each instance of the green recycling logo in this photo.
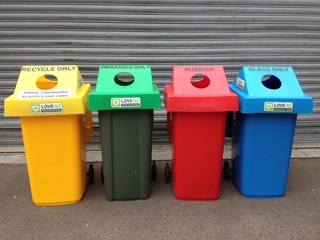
(115, 102)
(35, 108)
(268, 106)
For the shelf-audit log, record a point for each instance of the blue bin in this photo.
(269, 100)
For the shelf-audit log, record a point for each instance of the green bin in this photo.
(125, 97)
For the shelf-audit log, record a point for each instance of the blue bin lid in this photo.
(270, 89)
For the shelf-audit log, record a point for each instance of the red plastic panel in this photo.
(198, 140)
(209, 94)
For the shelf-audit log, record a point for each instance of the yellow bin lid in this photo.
(48, 90)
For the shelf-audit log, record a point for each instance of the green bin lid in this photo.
(115, 92)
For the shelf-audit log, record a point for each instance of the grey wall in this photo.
(163, 34)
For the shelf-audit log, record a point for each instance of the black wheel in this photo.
(91, 174)
(226, 170)
(167, 173)
(154, 171)
(101, 174)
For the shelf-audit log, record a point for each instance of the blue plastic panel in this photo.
(270, 89)
(261, 154)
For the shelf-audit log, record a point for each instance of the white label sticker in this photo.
(125, 102)
(240, 83)
(38, 108)
(42, 94)
(278, 106)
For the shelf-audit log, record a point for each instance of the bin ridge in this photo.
(48, 90)
(259, 87)
(141, 73)
(182, 76)
(213, 95)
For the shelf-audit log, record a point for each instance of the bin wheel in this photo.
(91, 174)
(101, 174)
(154, 171)
(226, 170)
(167, 173)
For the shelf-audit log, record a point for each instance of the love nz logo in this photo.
(125, 102)
(278, 106)
(37, 108)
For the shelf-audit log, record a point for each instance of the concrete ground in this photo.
(295, 216)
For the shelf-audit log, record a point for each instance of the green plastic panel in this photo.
(115, 92)
(126, 138)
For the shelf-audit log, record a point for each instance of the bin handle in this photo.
(169, 125)
(88, 124)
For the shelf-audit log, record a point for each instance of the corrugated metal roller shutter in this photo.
(161, 33)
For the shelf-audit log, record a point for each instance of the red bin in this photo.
(197, 102)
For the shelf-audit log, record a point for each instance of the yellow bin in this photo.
(52, 103)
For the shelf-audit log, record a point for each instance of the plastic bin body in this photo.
(261, 166)
(197, 120)
(54, 141)
(126, 121)
(198, 140)
(265, 129)
(126, 150)
(56, 158)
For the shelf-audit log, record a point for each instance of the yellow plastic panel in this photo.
(56, 158)
(48, 90)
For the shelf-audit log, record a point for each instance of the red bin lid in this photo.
(199, 89)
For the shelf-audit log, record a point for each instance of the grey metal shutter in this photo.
(161, 33)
